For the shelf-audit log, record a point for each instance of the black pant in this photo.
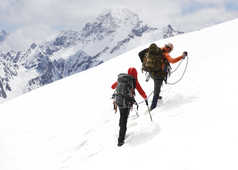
(157, 87)
(124, 113)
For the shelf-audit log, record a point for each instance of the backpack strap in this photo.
(142, 54)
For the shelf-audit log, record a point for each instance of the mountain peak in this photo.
(110, 34)
(109, 21)
(119, 13)
(170, 27)
(118, 17)
(169, 31)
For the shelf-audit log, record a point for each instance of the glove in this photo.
(146, 102)
(185, 53)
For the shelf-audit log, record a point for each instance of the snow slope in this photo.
(70, 124)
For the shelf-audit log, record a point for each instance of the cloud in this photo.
(50, 15)
(71, 13)
(21, 38)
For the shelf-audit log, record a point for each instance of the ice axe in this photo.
(149, 114)
(146, 102)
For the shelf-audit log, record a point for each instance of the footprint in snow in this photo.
(82, 144)
(143, 135)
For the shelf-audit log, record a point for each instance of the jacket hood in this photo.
(132, 71)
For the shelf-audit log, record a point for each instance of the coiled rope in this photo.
(185, 69)
(173, 83)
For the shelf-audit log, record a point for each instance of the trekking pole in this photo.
(146, 101)
(137, 113)
(137, 107)
(149, 113)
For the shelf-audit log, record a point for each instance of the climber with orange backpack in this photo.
(156, 61)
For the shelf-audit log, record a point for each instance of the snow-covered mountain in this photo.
(110, 34)
(70, 124)
(8, 70)
(113, 33)
(169, 31)
(3, 35)
(42, 60)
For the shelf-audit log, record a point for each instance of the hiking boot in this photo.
(120, 143)
(152, 107)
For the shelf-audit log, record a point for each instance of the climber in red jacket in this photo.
(125, 109)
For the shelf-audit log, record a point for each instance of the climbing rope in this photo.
(185, 69)
(174, 70)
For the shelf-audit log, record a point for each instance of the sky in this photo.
(35, 20)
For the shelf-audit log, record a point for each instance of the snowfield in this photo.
(70, 124)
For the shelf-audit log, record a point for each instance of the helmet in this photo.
(170, 45)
